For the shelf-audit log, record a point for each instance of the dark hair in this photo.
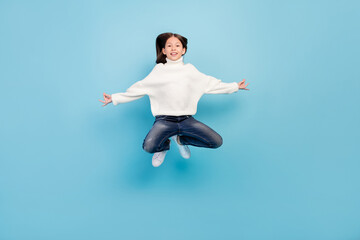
(161, 41)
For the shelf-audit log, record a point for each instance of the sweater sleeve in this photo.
(134, 92)
(213, 85)
(216, 86)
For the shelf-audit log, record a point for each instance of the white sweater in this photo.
(174, 88)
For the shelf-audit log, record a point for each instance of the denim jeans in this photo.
(191, 132)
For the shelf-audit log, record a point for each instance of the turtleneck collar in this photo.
(179, 61)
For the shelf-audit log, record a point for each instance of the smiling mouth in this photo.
(173, 54)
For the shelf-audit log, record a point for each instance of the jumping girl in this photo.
(174, 89)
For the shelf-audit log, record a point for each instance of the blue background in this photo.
(289, 165)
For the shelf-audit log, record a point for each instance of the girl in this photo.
(174, 89)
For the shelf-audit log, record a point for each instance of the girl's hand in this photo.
(107, 99)
(242, 85)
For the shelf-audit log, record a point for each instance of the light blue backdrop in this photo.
(288, 169)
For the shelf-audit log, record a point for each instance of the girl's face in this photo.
(173, 49)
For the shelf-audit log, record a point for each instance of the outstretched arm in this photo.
(242, 85)
(216, 86)
(107, 99)
(134, 92)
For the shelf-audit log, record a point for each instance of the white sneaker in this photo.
(158, 158)
(183, 149)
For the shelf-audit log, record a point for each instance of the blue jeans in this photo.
(191, 132)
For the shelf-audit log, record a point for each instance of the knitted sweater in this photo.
(174, 88)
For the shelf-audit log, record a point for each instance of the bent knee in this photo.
(218, 141)
(149, 146)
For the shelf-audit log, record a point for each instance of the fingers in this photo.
(107, 99)
(243, 86)
(242, 82)
(246, 86)
(105, 102)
